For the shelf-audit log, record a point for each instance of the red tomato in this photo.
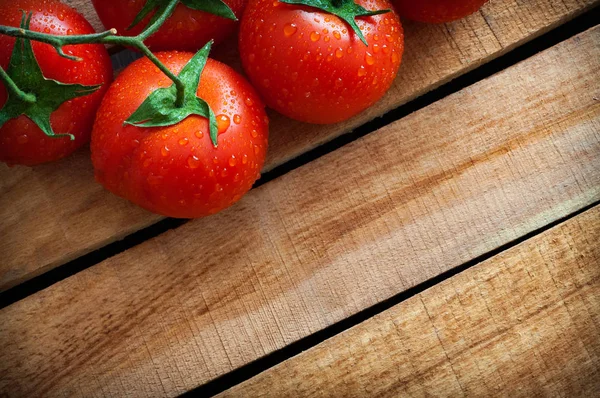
(21, 140)
(176, 171)
(185, 30)
(309, 65)
(437, 11)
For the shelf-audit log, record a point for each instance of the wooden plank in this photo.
(524, 323)
(67, 214)
(446, 184)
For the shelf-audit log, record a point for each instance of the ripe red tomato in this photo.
(176, 171)
(21, 140)
(437, 11)
(185, 30)
(309, 65)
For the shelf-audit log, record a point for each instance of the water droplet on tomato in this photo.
(23, 139)
(289, 29)
(375, 48)
(244, 159)
(337, 35)
(362, 71)
(237, 119)
(164, 151)
(248, 101)
(315, 36)
(385, 49)
(395, 57)
(256, 149)
(232, 161)
(223, 123)
(199, 134)
(369, 59)
(254, 133)
(184, 141)
(339, 53)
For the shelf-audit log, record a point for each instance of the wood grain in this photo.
(455, 180)
(524, 323)
(55, 213)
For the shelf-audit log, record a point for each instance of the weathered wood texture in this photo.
(524, 323)
(471, 172)
(57, 212)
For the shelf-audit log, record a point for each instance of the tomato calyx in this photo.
(30, 93)
(347, 10)
(216, 7)
(160, 108)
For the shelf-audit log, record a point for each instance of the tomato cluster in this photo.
(317, 61)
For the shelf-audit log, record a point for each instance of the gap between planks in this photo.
(523, 323)
(520, 150)
(89, 218)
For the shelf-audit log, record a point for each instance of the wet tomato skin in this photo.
(437, 11)
(176, 171)
(21, 140)
(310, 66)
(184, 30)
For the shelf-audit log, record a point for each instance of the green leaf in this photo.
(216, 7)
(49, 94)
(347, 10)
(160, 109)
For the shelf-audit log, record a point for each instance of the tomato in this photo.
(184, 30)
(21, 140)
(437, 11)
(309, 65)
(176, 171)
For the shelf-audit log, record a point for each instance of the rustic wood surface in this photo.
(524, 323)
(444, 185)
(67, 214)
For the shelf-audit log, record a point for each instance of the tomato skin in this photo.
(437, 11)
(21, 140)
(176, 171)
(184, 30)
(310, 66)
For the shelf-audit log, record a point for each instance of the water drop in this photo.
(289, 29)
(362, 71)
(222, 123)
(237, 119)
(164, 151)
(199, 134)
(184, 141)
(315, 36)
(23, 139)
(369, 58)
(232, 161)
(339, 53)
(254, 133)
(248, 101)
(337, 35)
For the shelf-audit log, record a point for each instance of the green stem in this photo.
(153, 27)
(13, 89)
(107, 37)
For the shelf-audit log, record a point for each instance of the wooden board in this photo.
(440, 187)
(67, 214)
(524, 323)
